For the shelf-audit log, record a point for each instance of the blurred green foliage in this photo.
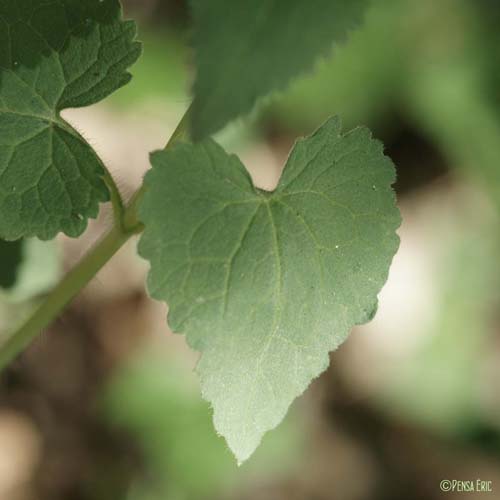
(29, 268)
(38, 268)
(160, 75)
(431, 63)
(443, 385)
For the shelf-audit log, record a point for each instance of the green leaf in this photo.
(247, 52)
(265, 285)
(11, 255)
(55, 55)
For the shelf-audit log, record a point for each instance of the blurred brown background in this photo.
(105, 406)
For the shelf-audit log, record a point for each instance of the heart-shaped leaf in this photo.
(265, 284)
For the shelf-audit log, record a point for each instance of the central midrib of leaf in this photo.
(265, 201)
(277, 308)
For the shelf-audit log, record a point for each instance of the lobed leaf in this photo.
(265, 284)
(256, 47)
(55, 54)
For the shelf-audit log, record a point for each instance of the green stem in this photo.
(114, 193)
(181, 134)
(115, 198)
(126, 224)
(64, 293)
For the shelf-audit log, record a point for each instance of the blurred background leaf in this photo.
(11, 255)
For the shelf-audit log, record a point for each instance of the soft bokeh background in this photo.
(105, 405)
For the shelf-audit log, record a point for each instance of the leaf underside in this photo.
(55, 54)
(263, 284)
(246, 52)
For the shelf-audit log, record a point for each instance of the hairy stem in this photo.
(126, 224)
(131, 221)
(115, 198)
